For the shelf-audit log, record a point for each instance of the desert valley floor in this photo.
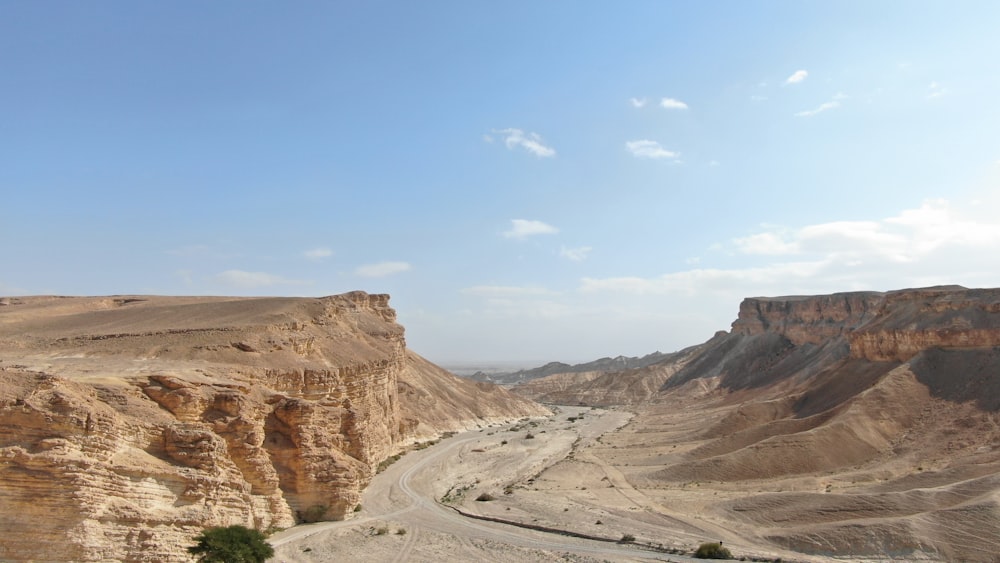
(574, 474)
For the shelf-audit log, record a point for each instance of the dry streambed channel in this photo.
(512, 492)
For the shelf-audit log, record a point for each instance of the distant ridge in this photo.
(602, 365)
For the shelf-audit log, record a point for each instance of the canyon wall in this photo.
(129, 424)
(892, 326)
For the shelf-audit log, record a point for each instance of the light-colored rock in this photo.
(129, 424)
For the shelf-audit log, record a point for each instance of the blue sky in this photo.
(531, 181)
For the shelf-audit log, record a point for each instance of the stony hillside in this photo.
(128, 424)
(861, 425)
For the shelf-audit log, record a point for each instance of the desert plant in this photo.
(485, 497)
(712, 550)
(234, 544)
(627, 538)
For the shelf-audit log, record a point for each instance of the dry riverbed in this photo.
(503, 493)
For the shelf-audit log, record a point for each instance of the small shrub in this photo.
(503, 443)
(627, 538)
(712, 550)
(235, 543)
(401, 532)
(485, 497)
(381, 531)
(357, 508)
(529, 436)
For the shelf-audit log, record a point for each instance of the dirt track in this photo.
(404, 503)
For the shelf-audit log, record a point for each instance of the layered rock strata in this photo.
(129, 424)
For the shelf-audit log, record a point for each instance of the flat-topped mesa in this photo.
(807, 319)
(130, 423)
(893, 326)
(912, 320)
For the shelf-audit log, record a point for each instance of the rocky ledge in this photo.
(129, 424)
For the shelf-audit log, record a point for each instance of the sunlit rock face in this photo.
(129, 424)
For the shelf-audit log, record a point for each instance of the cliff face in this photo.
(843, 411)
(129, 424)
(892, 326)
(908, 322)
(804, 320)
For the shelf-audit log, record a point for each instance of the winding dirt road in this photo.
(403, 518)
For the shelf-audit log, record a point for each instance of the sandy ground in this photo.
(541, 472)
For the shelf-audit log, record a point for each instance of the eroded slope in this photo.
(128, 424)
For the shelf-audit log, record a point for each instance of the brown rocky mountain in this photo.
(128, 424)
(863, 425)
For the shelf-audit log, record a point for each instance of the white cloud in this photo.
(935, 90)
(637, 102)
(797, 76)
(671, 103)
(822, 107)
(575, 254)
(649, 149)
(382, 269)
(766, 243)
(932, 244)
(318, 254)
(531, 142)
(506, 291)
(523, 228)
(248, 280)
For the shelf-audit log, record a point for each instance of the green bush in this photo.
(712, 550)
(235, 544)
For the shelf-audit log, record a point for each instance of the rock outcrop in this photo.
(851, 425)
(129, 424)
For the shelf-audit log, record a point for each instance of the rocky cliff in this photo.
(128, 424)
(892, 326)
(853, 425)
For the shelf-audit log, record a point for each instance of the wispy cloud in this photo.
(506, 291)
(672, 103)
(638, 102)
(382, 269)
(523, 228)
(575, 254)
(531, 142)
(249, 280)
(935, 90)
(649, 149)
(822, 107)
(932, 244)
(797, 76)
(318, 254)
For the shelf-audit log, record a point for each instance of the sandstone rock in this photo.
(129, 424)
